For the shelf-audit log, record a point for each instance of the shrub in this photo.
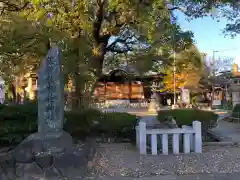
(115, 124)
(187, 116)
(80, 123)
(95, 123)
(18, 112)
(236, 111)
(18, 121)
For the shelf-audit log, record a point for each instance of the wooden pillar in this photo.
(105, 90)
(121, 90)
(129, 89)
(16, 89)
(30, 84)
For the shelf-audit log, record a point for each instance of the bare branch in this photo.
(98, 21)
(127, 45)
(185, 12)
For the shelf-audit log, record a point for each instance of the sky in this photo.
(208, 36)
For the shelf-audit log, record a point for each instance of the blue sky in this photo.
(208, 36)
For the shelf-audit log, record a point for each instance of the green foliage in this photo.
(84, 28)
(81, 123)
(147, 22)
(117, 124)
(187, 116)
(91, 122)
(22, 46)
(189, 70)
(236, 111)
(18, 121)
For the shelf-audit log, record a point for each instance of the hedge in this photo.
(92, 122)
(18, 121)
(236, 111)
(187, 116)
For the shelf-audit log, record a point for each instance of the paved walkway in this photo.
(227, 131)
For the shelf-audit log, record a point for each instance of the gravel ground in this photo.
(218, 176)
(123, 160)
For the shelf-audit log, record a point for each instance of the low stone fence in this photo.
(192, 138)
(121, 104)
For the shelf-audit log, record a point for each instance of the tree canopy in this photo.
(131, 22)
(89, 31)
(98, 20)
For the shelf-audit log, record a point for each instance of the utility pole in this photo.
(174, 70)
(214, 63)
(174, 59)
(174, 76)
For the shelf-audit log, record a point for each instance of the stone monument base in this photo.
(50, 143)
(49, 157)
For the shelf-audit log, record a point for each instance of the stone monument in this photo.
(49, 153)
(50, 95)
(50, 107)
(51, 103)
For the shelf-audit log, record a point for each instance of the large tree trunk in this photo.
(96, 64)
(99, 50)
(81, 99)
(77, 95)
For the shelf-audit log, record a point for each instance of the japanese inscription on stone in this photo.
(50, 94)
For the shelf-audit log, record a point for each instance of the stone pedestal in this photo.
(49, 143)
(153, 105)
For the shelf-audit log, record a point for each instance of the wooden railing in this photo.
(192, 139)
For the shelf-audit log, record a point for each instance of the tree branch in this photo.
(209, 4)
(185, 12)
(127, 45)
(6, 5)
(98, 21)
